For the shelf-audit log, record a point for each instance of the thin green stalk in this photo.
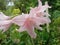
(32, 41)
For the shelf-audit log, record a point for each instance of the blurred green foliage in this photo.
(2, 4)
(12, 37)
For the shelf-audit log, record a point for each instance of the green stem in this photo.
(32, 41)
(47, 27)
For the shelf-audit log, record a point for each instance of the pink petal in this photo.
(3, 17)
(21, 29)
(44, 7)
(4, 25)
(40, 3)
(31, 32)
(42, 20)
(46, 3)
(29, 25)
(19, 20)
(4, 22)
(33, 10)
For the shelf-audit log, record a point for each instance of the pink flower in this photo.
(4, 22)
(28, 22)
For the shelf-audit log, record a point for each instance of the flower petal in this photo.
(31, 32)
(40, 3)
(5, 22)
(42, 20)
(3, 17)
(4, 25)
(19, 20)
(21, 29)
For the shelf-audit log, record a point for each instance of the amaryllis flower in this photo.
(28, 22)
(4, 22)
